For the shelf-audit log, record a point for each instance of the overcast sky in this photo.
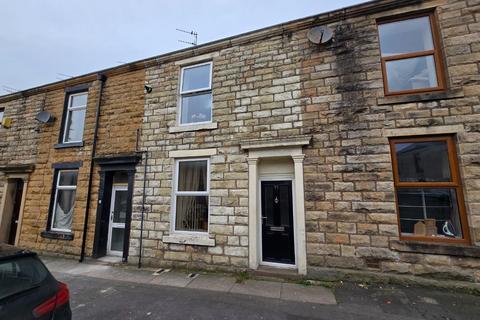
(42, 39)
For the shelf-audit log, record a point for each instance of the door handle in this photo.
(264, 218)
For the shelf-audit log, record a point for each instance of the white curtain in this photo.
(64, 209)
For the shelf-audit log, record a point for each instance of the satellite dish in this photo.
(320, 34)
(45, 117)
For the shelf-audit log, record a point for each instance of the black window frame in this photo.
(58, 167)
(83, 88)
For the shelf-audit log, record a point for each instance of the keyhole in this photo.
(276, 200)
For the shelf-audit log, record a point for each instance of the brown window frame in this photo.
(435, 52)
(455, 183)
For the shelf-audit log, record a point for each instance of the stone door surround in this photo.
(280, 147)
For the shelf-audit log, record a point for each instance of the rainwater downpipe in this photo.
(143, 208)
(101, 78)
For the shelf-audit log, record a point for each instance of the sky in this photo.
(43, 41)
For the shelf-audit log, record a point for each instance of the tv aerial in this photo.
(193, 34)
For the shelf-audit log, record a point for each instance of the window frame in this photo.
(2, 112)
(67, 110)
(194, 93)
(455, 183)
(435, 53)
(57, 187)
(176, 193)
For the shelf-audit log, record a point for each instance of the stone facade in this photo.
(281, 105)
(120, 117)
(282, 85)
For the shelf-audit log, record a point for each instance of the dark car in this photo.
(28, 290)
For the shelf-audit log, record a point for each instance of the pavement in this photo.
(103, 291)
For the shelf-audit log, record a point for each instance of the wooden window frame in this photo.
(435, 52)
(455, 183)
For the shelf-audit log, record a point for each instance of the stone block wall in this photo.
(350, 201)
(256, 89)
(120, 117)
(286, 86)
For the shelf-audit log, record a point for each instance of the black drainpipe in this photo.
(143, 208)
(102, 78)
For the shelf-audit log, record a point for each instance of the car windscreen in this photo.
(20, 274)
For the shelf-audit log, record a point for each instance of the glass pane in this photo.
(63, 214)
(117, 239)
(120, 177)
(192, 213)
(20, 274)
(197, 108)
(1, 116)
(423, 161)
(196, 78)
(120, 206)
(76, 121)
(405, 36)
(78, 100)
(68, 178)
(411, 74)
(192, 175)
(435, 210)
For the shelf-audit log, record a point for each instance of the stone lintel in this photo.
(277, 143)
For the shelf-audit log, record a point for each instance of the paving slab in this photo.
(258, 288)
(312, 294)
(212, 282)
(174, 279)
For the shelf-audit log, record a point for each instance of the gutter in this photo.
(102, 78)
(366, 8)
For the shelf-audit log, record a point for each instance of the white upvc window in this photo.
(191, 195)
(75, 117)
(64, 201)
(196, 94)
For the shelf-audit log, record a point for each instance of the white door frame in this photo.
(111, 224)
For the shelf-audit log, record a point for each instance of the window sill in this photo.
(68, 145)
(421, 97)
(57, 235)
(194, 127)
(189, 239)
(435, 248)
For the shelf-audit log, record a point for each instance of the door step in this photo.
(272, 273)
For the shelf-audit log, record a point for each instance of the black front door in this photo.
(277, 222)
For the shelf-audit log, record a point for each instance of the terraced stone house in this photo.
(345, 140)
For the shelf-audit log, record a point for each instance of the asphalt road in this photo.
(94, 298)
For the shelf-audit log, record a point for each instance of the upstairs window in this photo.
(411, 60)
(192, 195)
(75, 117)
(428, 189)
(196, 94)
(64, 200)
